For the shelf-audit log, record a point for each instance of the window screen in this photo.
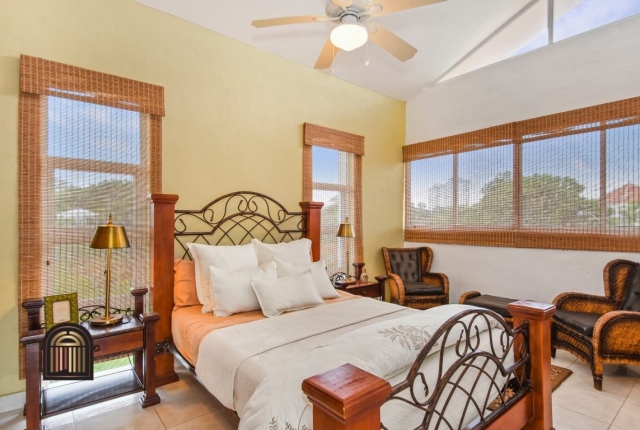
(565, 181)
(96, 164)
(332, 172)
(89, 146)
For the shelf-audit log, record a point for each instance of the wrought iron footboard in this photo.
(479, 370)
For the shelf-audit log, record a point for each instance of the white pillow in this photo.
(318, 274)
(224, 257)
(297, 251)
(231, 289)
(291, 293)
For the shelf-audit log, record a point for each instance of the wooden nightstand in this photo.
(137, 336)
(374, 289)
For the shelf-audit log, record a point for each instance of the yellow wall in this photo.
(233, 120)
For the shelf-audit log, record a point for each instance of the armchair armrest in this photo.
(396, 288)
(437, 279)
(617, 333)
(579, 302)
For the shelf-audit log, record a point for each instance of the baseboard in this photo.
(11, 402)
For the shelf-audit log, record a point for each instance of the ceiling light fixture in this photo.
(350, 34)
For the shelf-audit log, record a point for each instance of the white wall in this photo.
(535, 274)
(593, 68)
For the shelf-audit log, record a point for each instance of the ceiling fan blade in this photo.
(391, 43)
(342, 3)
(325, 60)
(392, 6)
(260, 23)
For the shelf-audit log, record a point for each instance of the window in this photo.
(565, 181)
(573, 17)
(534, 24)
(89, 147)
(332, 170)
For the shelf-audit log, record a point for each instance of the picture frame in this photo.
(61, 308)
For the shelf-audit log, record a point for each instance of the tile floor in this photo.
(187, 405)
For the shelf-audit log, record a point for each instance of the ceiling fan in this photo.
(354, 27)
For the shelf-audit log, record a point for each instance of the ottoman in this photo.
(493, 303)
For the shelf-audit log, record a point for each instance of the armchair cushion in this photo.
(422, 289)
(632, 300)
(582, 322)
(406, 264)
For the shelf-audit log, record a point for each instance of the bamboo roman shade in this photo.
(89, 146)
(565, 181)
(332, 174)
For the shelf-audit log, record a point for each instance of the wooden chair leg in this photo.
(596, 370)
(597, 382)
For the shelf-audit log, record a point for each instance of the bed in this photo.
(337, 366)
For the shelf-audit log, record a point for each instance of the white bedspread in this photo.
(223, 352)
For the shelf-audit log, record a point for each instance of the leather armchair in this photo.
(602, 329)
(411, 282)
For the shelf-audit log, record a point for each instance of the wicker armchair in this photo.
(602, 329)
(410, 279)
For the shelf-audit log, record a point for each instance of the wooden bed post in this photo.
(539, 317)
(313, 209)
(346, 398)
(162, 288)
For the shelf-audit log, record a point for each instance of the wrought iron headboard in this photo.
(235, 219)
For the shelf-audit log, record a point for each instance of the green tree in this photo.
(629, 214)
(330, 211)
(549, 200)
(114, 196)
(495, 208)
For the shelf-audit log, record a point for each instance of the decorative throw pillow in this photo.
(224, 257)
(231, 289)
(318, 274)
(287, 294)
(184, 283)
(297, 251)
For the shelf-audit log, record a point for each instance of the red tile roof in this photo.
(626, 194)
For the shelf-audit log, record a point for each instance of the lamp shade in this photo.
(349, 36)
(345, 229)
(110, 236)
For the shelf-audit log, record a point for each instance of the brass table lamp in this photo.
(109, 237)
(346, 231)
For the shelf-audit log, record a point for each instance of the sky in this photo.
(329, 160)
(97, 132)
(87, 131)
(587, 15)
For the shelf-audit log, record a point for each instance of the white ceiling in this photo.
(443, 33)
